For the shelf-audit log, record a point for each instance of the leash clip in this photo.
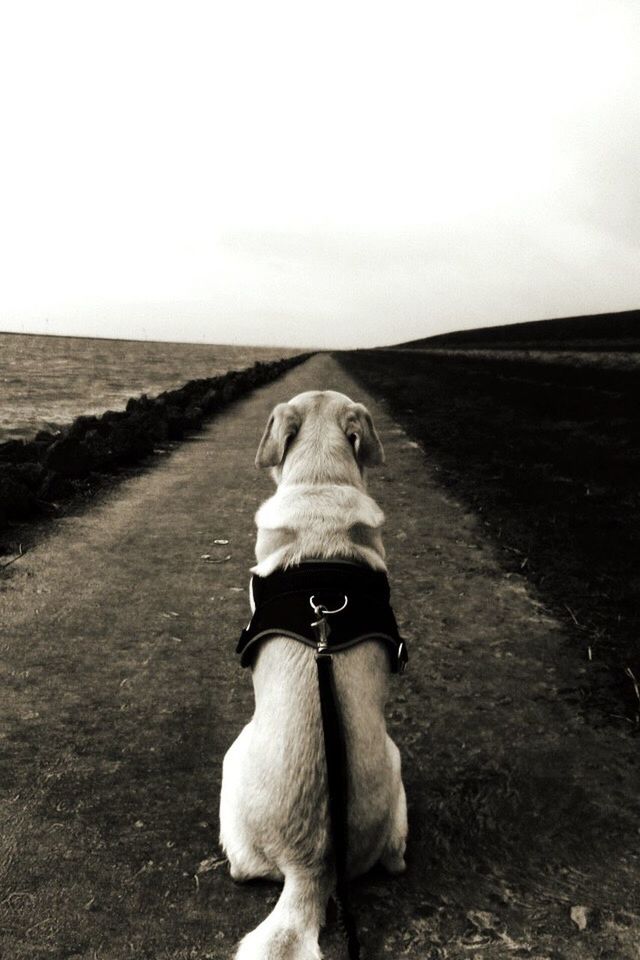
(321, 625)
(322, 630)
(402, 657)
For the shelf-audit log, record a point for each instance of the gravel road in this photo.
(121, 693)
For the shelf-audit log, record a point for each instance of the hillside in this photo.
(601, 331)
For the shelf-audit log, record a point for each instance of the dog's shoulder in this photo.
(328, 504)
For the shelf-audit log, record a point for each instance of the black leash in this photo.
(337, 779)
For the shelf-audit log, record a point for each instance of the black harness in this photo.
(330, 606)
(283, 606)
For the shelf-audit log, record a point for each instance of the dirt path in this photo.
(120, 694)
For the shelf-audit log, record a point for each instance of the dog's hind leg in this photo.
(246, 862)
(392, 858)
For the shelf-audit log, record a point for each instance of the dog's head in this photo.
(320, 437)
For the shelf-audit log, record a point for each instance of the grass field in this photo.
(548, 454)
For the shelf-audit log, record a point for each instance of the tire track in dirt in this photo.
(117, 649)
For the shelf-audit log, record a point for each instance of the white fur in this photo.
(318, 520)
(273, 804)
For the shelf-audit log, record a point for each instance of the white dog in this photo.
(273, 805)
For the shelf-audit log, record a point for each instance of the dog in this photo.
(274, 820)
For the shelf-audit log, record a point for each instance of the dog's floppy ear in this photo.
(283, 424)
(360, 431)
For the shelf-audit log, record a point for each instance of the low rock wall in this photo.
(36, 474)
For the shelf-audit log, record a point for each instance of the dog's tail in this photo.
(291, 930)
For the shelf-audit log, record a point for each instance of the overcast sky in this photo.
(324, 174)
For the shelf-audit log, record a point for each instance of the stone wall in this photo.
(36, 474)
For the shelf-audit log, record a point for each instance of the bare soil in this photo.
(121, 694)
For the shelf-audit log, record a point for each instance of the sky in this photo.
(316, 174)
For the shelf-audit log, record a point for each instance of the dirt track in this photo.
(121, 694)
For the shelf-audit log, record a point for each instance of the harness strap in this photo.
(338, 794)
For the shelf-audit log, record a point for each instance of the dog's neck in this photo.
(316, 458)
(327, 521)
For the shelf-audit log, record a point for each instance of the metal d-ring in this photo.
(320, 609)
